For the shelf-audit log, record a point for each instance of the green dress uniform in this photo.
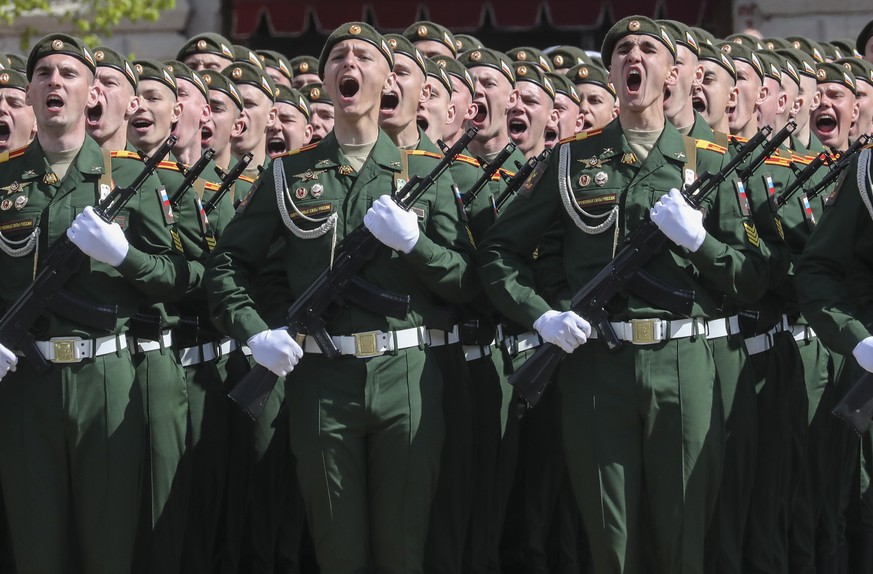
(643, 428)
(833, 283)
(366, 428)
(73, 437)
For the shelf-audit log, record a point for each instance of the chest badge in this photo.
(606, 151)
(346, 170)
(629, 158)
(584, 180)
(14, 187)
(50, 179)
(20, 202)
(592, 162)
(300, 192)
(322, 162)
(310, 174)
(316, 190)
(600, 178)
(29, 174)
(6, 204)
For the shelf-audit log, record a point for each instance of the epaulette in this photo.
(802, 159)
(125, 154)
(211, 186)
(868, 146)
(710, 146)
(423, 153)
(298, 150)
(780, 161)
(496, 176)
(170, 165)
(12, 154)
(581, 135)
(467, 159)
(246, 178)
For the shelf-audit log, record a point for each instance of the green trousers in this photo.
(778, 381)
(496, 453)
(643, 436)
(367, 434)
(167, 483)
(724, 541)
(452, 502)
(71, 453)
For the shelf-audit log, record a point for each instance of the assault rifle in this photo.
(62, 262)
(227, 180)
(515, 182)
(490, 169)
(531, 379)
(307, 314)
(191, 174)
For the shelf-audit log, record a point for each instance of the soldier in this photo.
(277, 67)
(367, 465)
(773, 103)
(431, 39)
(78, 509)
(677, 99)
(17, 122)
(117, 99)
(259, 113)
(438, 111)
(225, 105)
(863, 72)
(832, 119)
(528, 55)
(304, 70)
(463, 91)
(567, 107)
(863, 44)
(565, 57)
(322, 117)
(807, 99)
(243, 54)
(399, 106)
(292, 129)
(208, 51)
(598, 104)
(629, 465)
(465, 42)
(533, 110)
(716, 91)
(17, 62)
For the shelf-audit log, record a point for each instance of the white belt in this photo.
(718, 328)
(74, 349)
(473, 352)
(190, 356)
(246, 351)
(651, 331)
(372, 343)
(146, 345)
(523, 342)
(759, 343)
(438, 337)
(801, 333)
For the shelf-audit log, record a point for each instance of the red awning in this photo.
(290, 17)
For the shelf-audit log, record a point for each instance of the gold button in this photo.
(476, 56)
(583, 72)
(170, 67)
(633, 25)
(138, 68)
(559, 61)
(236, 73)
(57, 44)
(422, 31)
(201, 44)
(726, 48)
(207, 78)
(393, 43)
(98, 55)
(521, 56)
(441, 63)
(4, 78)
(821, 74)
(521, 71)
(314, 94)
(354, 29)
(304, 67)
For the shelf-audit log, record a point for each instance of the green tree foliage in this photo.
(92, 18)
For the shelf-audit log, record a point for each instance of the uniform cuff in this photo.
(135, 264)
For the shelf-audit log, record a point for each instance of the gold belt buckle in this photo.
(65, 350)
(643, 331)
(365, 345)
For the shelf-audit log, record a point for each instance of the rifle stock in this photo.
(227, 180)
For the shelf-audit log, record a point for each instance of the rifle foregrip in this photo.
(534, 375)
(253, 390)
(607, 333)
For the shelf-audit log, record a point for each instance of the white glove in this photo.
(104, 242)
(276, 350)
(679, 221)
(396, 228)
(566, 330)
(863, 353)
(8, 360)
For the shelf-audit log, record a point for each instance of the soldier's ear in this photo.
(816, 101)
(672, 76)
(513, 98)
(471, 111)
(307, 134)
(451, 114)
(132, 106)
(239, 125)
(856, 111)
(733, 96)
(699, 72)
(274, 113)
(763, 94)
(92, 95)
(425, 93)
(390, 82)
(580, 123)
(176, 113)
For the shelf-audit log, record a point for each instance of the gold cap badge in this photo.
(633, 25)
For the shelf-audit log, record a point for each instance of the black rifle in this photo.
(227, 180)
(191, 174)
(839, 166)
(490, 169)
(515, 182)
(63, 261)
(769, 149)
(779, 201)
(531, 379)
(306, 315)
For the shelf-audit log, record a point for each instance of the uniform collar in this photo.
(328, 154)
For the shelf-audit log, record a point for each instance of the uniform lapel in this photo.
(669, 148)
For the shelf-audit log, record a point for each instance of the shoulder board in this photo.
(496, 176)
(741, 140)
(211, 186)
(802, 159)
(710, 146)
(581, 135)
(12, 154)
(246, 178)
(298, 150)
(467, 159)
(125, 154)
(424, 153)
(170, 165)
(868, 146)
(780, 161)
